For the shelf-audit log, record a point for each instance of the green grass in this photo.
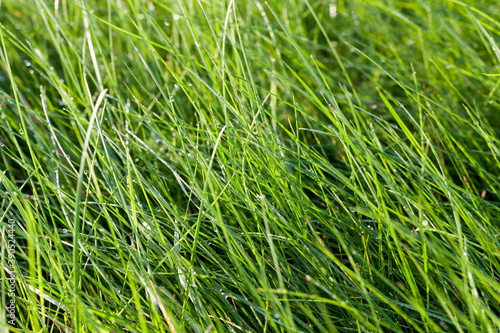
(227, 166)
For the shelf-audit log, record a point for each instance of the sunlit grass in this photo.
(279, 166)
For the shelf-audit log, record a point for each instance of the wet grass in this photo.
(279, 166)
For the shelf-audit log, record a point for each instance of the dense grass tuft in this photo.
(279, 166)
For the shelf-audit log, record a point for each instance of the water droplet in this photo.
(333, 10)
(27, 63)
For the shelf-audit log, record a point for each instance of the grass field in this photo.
(250, 166)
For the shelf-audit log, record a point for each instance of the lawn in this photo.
(250, 166)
